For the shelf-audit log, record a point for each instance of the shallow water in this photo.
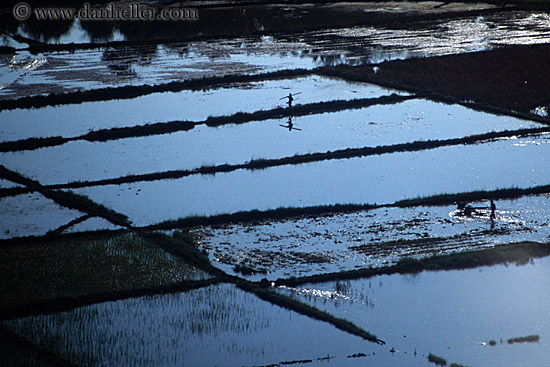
(409, 121)
(450, 314)
(32, 215)
(217, 325)
(78, 119)
(375, 180)
(337, 242)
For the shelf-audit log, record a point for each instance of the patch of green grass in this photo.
(457, 365)
(437, 360)
(87, 263)
(246, 269)
(524, 339)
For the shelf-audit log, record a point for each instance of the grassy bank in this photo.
(53, 274)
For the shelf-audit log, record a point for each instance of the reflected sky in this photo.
(374, 179)
(451, 313)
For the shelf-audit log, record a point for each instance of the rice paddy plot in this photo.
(378, 237)
(32, 215)
(78, 119)
(216, 325)
(409, 121)
(380, 179)
(449, 313)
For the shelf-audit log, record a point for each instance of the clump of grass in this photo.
(524, 339)
(457, 365)
(437, 360)
(246, 269)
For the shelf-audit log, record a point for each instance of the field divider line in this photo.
(263, 163)
(67, 199)
(134, 91)
(161, 128)
(519, 253)
(297, 212)
(68, 225)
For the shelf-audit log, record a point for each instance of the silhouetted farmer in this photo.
(290, 99)
(493, 208)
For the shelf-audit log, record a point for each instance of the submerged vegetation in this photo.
(437, 360)
(524, 339)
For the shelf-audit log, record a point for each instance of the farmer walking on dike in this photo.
(493, 208)
(290, 99)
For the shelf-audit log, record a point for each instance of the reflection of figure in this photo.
(493, 208)
(290, 125)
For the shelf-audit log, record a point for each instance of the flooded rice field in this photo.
(218, 325)
(452, 314)
(74, 120)
(378, 237)
(32, 215)
(212, 193)
(379, 125)
(377, 179)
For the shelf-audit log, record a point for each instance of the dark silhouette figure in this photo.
(493, 208)
(290, 99)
